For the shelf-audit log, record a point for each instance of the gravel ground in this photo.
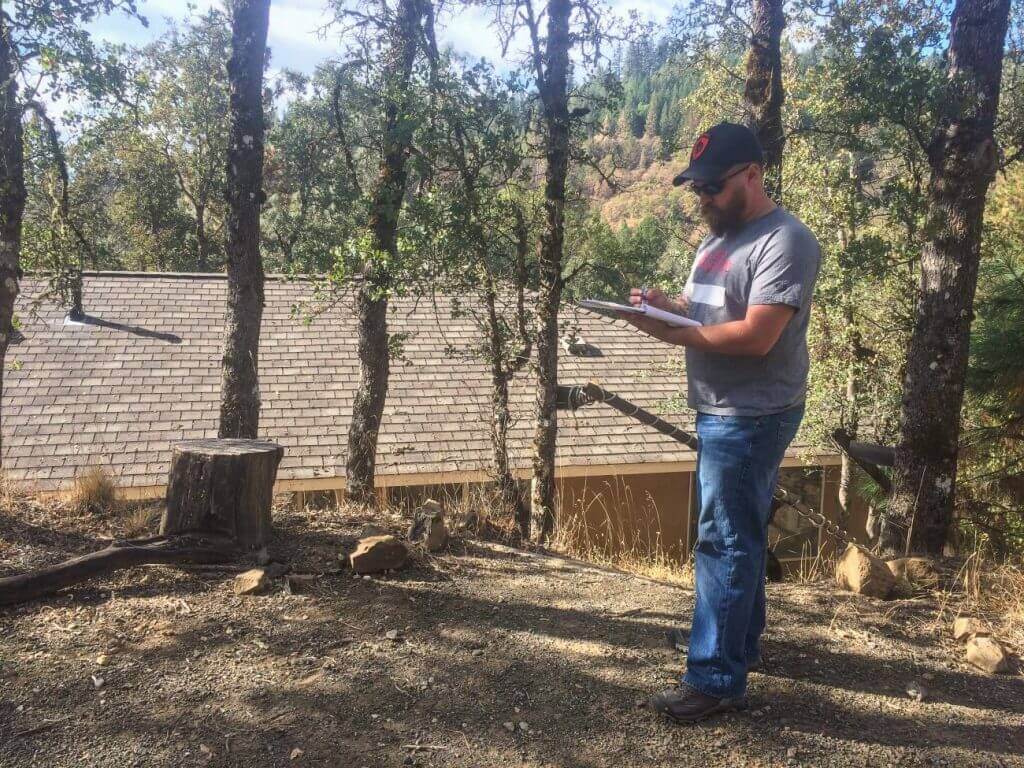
(503, 658)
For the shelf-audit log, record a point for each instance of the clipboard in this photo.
(612, 309)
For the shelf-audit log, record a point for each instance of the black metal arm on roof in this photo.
(572, 398)
(869, 457)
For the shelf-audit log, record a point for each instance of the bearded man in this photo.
(750, 288)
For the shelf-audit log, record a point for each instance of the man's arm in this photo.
(753, 336)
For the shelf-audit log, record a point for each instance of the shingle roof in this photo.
(143, 371)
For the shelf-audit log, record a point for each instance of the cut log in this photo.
(119, 555)
(222, 486)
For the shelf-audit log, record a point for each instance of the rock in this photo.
(966, 626)
(393, 634)
(251, 582)
(918, 571)
(97, 681)
(916, 691)
(987, 654)
(509, 726)
(374, 554)
(102, 660)
(863, 573)
(296, 754)
(428, 526)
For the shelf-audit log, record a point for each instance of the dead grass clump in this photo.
(994, 590)
(141, 521)
(9, 493)
(813, 568)
(94, 493)
(593, 530)
(482, 513)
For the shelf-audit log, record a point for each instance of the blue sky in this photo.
(293, 37)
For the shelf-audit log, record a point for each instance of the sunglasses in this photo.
(712, 188)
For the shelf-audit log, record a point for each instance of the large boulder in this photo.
(374, 554)
(861, 572)
(251, 582)
(987, 654)
(918, 571)
(966, 627)
(428, 526)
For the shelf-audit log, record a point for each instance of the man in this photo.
(750, 288)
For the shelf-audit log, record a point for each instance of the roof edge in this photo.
(188, 275)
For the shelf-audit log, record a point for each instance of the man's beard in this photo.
(724, 219)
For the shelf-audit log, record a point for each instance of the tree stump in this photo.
(222, 486)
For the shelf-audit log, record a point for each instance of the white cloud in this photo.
(295, 43)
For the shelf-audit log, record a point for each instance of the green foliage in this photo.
(606, 263)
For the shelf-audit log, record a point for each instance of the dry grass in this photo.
(593, 531)
(995, 591)
(94, 493)
(812, 568)
(9, 493)
(140, 521)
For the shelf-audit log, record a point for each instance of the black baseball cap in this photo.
(717, 150)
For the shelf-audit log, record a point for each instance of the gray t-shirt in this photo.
(772, 260)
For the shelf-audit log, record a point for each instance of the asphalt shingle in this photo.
(143, 371)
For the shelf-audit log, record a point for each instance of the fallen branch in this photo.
(188, 548)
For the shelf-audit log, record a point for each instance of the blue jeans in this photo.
(737, 468)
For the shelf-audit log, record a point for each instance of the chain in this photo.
(815, 517)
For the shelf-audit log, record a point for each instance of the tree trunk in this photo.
(508, 488)
(12, 194)
(963, 158)
(554, 95)
(223, 487)
(851, 411)
(763, 92)
(240, 388)
(202, 242)
(372, 299)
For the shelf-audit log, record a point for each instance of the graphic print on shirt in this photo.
(707, 278)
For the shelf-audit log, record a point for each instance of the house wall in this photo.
(655, 513)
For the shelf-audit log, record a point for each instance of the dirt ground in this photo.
(503, 658)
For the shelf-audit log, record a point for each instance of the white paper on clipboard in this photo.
(611, 309)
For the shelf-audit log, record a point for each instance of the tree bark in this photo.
(240, 388)
(763, 91)
(963, 158)
(12, 193)
(202, 241)
(223, 487)
(508, 488)
(553, 89)
(373, 289)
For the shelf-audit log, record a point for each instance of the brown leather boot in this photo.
(685, 704)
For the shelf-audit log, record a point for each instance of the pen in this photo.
(643, 297)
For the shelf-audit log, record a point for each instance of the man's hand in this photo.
(753, 336)
(658, 298)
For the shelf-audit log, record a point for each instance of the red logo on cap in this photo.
(699, 146)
